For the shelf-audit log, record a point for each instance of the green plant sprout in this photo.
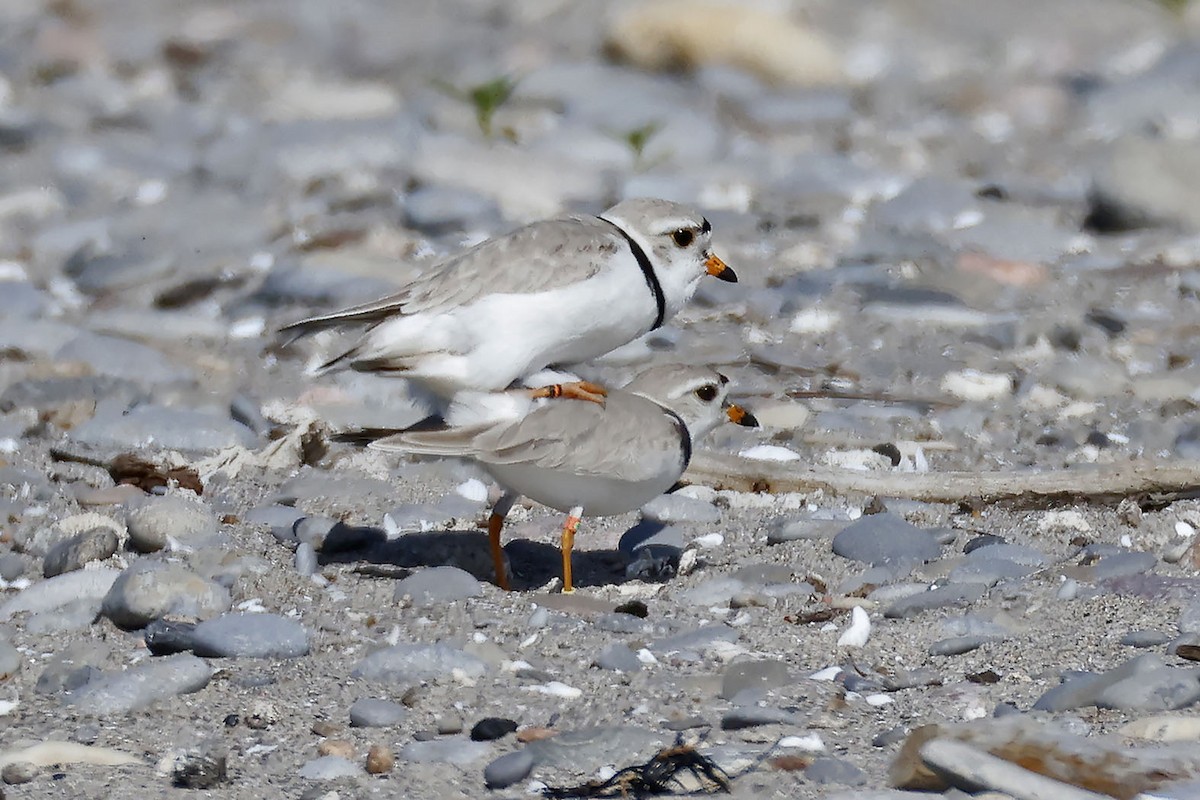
(638, 139)
(486, 98)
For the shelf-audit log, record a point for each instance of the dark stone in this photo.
(489, 729)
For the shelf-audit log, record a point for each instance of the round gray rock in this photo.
(146, 592)
(766, 674)
(328, 768)
(438, 585)
(416, 662)
(70, 555)
(142, 685)
(250, 636)
(373, 712)
(884, 539)
(444, 751)
(618, 658)
(158, 521)
(672, 508)
(508, 769)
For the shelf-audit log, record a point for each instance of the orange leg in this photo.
(580, 390)
(495, 524)
(568, 544)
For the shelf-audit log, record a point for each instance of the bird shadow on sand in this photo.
(532, 564)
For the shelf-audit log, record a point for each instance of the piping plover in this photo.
(580, 458)
(559, 291)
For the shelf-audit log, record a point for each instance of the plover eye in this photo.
(707, 392)
(684, 236)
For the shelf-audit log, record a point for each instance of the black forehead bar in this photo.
(705, 225)
(724, 380)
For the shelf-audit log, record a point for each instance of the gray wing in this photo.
(538, 257)
(629, 438)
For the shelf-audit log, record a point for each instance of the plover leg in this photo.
(495, 524)
(568, 544)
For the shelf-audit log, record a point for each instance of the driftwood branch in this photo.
(1153, 483)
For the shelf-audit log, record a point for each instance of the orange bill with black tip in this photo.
(719, 269)
(740, 416)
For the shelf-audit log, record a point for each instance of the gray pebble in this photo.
(903, 679)
(1162, 688)
(18, 772)
(764, 574)
(1143, 683)
(718, 591)
(508, 769)
(372, 712)
(1119, 565)
(66, 676)
(148, 591)
(250, 636)
(1189, 618)
(983, 540)
(669, 509)
(789, 529)
(765, 674)
(10, 659)
(408, 663)
(754, 716)
(449, 724)
(618, 658)
(328, 768)
(827, 770)
(625, 624)
(280, 519)
(1017, 553)
(160, 520)
(12, 566)
(891, 736)
(123, 358)
(539, 618)
(1145, 181)
(954, 594)
(70, 555)
(685, 723)
(167, 428)
(59, 591)
(305, 559)
(141, 686)
(1144, 638)
(883, 538)
(958, 645)
(444, 751)
(436, 586)
(699, 640)
(988, 571)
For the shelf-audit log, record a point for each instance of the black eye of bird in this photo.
(707, 392)
(684, 236)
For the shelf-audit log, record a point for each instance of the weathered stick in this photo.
(1157, 482)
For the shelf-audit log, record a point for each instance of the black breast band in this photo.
(660, 300)
(685, 438)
